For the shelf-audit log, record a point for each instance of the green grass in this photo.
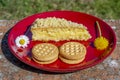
(18, 9)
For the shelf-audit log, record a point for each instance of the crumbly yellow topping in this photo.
(55, 22)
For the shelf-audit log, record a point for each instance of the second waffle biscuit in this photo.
(72, 52)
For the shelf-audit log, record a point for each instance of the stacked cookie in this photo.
(45, 53)
(70, 53)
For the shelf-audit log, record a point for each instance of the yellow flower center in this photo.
(22, 41)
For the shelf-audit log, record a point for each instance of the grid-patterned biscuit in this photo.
(45, 52)
(72, 50)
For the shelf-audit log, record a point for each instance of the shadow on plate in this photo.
(7, 53)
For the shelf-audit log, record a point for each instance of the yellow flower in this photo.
(101, 43)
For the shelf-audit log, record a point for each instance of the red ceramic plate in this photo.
(93, 56)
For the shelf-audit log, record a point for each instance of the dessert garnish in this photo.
(100, 42)
(22, 41)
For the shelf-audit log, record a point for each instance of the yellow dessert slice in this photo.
(58, 29)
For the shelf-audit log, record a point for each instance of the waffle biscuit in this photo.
(72, 52)
(45, 53)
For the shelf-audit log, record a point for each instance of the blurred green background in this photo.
(18, 9)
